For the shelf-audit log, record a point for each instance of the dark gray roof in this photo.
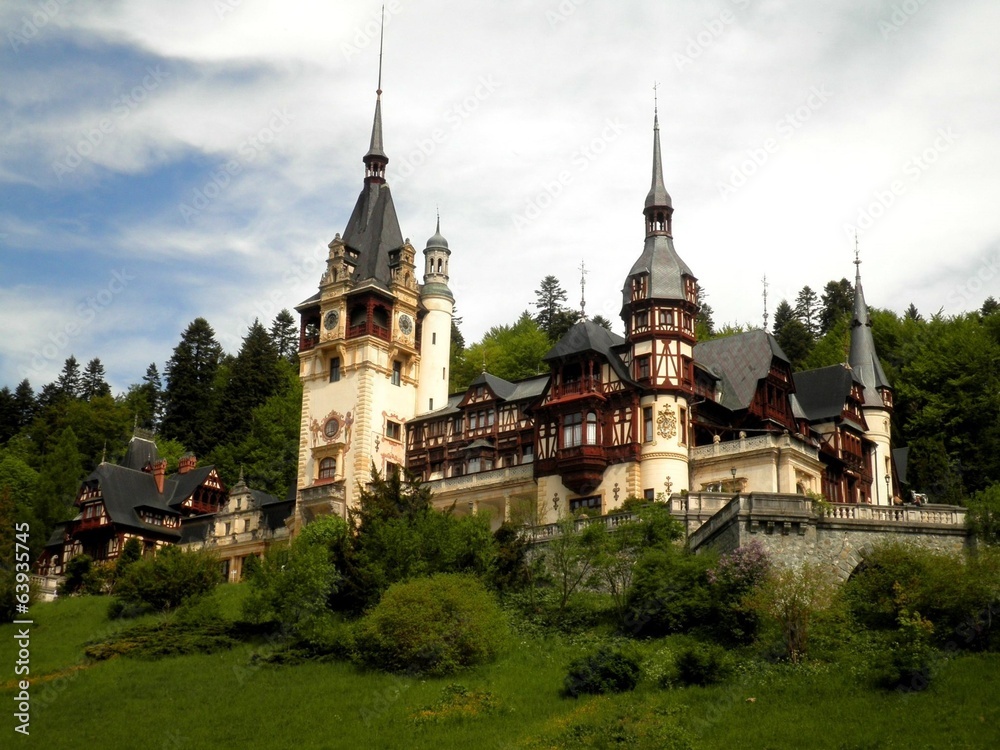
(665, 268)
(500, 387)
(436, 289)
(310, 302)
(658, 195)
(437, 239)
(373, 231)
(587, 336)
(822, 393)
(195, 529)
(739, 361)
(519, 391)
(178, 487)
(529, 388)
(58, 534)
(277, 512)
(375, 147)
(864, 359)
(125, 491)
(141, 451)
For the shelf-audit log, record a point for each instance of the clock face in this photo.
(331, 428)
(406, 324)
(330, 321)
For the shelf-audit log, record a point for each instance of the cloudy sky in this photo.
(168, 160)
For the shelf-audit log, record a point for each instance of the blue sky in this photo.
(163, 161)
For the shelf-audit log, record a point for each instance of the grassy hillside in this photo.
(225, 700)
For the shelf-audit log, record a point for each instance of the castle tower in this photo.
(358, 350)
(659, 305)
(877, 408)
(435, 328)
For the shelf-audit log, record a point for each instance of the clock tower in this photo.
(359, 351)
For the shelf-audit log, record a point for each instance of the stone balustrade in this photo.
(745, 445)
(494, 477)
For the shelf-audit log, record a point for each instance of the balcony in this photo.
(575, 388)
(368, 329)
(747, 445)
(494, 477)
(85, 524)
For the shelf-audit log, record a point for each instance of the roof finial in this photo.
(583, 290)
(381, 33)
(655, 107)
(764, 282)
(857, 253)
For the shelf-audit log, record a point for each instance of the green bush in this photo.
(169, 578)
(432, 626)
(905, 661)
(957, 595)
(77, 568)
(604, 671)
(670, 593)
(703, 664)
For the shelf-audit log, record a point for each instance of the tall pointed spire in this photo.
(863, 357)
(658, 208)
(376, 160)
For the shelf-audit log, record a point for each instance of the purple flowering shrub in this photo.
(732, 580)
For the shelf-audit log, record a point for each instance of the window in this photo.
(641, 319)
(229, 528)
(572, 430)
(397, 372)
(648, 494)
(527, 453)
(430, 404)
(434, 337)
(642, 367)
(393, 430)
(647, 424)
(474, 465)
(667, 318)
(328, 468)
(682, 417)
(585, 503)
(591, 433)
(456, 426)
(334, 369)
(391, 469)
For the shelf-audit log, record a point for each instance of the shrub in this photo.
(432, 626)
(168, 578)
(99, 579)
(77, 568)
(905, 662)
(669, 593)
(703, 664)
(604, 671)
(790, 599)
(953, 593)
(738, 574)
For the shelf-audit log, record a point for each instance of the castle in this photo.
(655, 414)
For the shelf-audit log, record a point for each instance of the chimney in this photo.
(159, 472)
(187, 462)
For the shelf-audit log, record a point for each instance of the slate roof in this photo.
(658, 195)
(502, 388)
(178, 487)
(587, 336)
(125, 491)
(739, 361)
(863, 358)
(373, 231)
(517, 391)
(822, 393)
(140, 453)
(666, 270)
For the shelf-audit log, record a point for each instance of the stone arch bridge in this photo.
(794, 532)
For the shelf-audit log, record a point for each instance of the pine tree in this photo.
(254, 378)
(704, 323)
(913, 314)
(24, 400)
(990, 306)
(795, 341)
(782, 314)
(549, 299)
(152, 390)
(838, 301)
(93, 382)
(190, 398)
(69, 382)
(601, 321)
(284, 335)
(60, 474)
(807, 310)
(8, 415)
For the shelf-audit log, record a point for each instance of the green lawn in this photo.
(225, 701)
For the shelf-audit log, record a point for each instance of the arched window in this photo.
(591, 433)
(327, 468)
